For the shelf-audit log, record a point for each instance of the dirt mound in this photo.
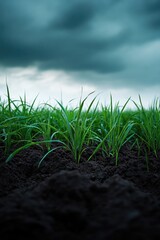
(92, 200)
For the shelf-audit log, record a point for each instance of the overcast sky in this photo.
(53, 47)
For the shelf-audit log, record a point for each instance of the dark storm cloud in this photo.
(76, 17)
(147, 13)
(75, 35)
(152, 9)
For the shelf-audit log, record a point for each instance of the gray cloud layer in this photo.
(97, 36)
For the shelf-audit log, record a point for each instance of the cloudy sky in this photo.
(56, 48)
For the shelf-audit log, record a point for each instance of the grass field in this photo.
(104, 129)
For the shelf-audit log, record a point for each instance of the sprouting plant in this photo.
(148, 124)
(113, 133)
(77, 130)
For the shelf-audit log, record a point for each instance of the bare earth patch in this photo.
(92, 200)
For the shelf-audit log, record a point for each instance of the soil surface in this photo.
(87, 201)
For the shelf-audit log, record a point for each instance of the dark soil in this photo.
(87, 201)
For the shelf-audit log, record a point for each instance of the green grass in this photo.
(104, 129)
(113, 132)
(148, 126)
